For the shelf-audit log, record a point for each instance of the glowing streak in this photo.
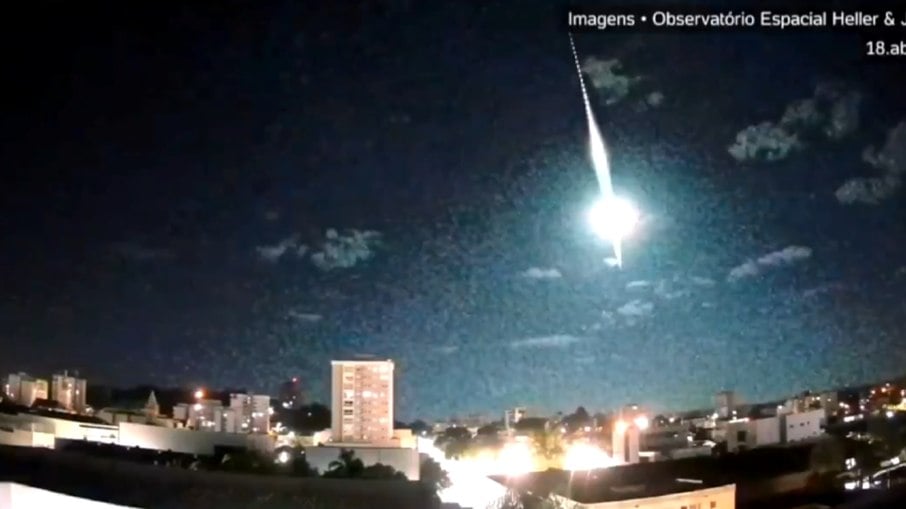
(596, 141)
(599, 158)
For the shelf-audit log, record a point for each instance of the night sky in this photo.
(234, 195)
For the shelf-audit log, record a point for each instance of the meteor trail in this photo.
(613, 218)
(595, 140)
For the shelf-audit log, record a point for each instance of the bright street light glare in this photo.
(641, 422)
(515, 459)
(581, 456)
(613, 218)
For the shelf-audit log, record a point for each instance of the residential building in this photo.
(25, 389)
(201, 415)
(253, 412)
(513, 415)
(362, 401)
(69, 391)
(742, 434)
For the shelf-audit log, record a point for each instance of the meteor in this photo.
(613, 217)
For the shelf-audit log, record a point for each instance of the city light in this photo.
(582, 456)
(621, 426)
(199, 394)
(641, 422)
(515, 458)
(283, 457)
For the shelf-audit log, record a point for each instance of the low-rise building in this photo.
(803, 425)
(742, 434)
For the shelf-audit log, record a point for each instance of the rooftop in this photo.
(644, 480)
(13, 409)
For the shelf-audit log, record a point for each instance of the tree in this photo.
(346, 466)
(531, 424)
(577, 420)
(381, 471)
(457, 448)
(548, 445)
(431, 473)
(419, 426)
(454, 441)
(828, 456)
(488, 430)
(301, 468)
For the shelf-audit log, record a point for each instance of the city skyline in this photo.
(200, 200)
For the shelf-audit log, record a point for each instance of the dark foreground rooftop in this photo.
(665, 477)
(153, 487)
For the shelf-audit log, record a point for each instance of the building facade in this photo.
(626, 434)
(804, 425)
(253, 412)
(513, 415)
(25, 389)
(362, 401)
(69, 391)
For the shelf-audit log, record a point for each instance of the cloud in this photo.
(702, 281)
(606, 77)
(553, 341)
(138, 253)
(867, 190)
(541, 273)
(664, 290)
(831, 112)
(786, 256)
(637, 285)
(891, 160)
(304, 317)
(636, 308)
(447, 350)
(765, 141)
(345, 250)
(654, 99)
(273, 253)
(822, 289)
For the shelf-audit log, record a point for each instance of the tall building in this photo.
(291, 396)
(253, 412)
(627, 429)
(25, 389)
(362, 401)
(69, 391)
(513, 415)
(725, 403)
